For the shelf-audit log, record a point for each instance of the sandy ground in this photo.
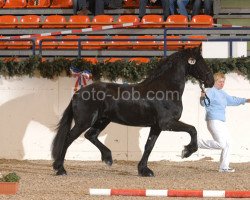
(38, 181)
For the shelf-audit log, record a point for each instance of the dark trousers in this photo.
(207, 7)
(97, 6)
(79, 5)
(165, 7)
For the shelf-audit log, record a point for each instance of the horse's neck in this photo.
(172, 79)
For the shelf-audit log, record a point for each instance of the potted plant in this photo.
(9, 183)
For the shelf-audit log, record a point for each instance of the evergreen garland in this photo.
(128, 71)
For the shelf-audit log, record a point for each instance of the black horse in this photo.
(156, 102)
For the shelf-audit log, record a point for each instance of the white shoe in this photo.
(229, 170)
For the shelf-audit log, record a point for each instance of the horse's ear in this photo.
(198, 50)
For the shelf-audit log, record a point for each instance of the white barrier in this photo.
(31, 107)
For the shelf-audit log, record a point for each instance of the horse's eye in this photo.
(191, 61)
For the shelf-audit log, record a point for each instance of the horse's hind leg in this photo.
(143, 169)
(92, 136)
(182, 127)
(74, 133)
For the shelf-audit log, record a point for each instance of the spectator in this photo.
(181, 7)
(80, 7)
(96, 7)
(207, 7)
(164, 3)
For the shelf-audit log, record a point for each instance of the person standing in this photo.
(208, 4)
(216, 121)
(143, 4)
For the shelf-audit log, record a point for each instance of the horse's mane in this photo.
(164, 65)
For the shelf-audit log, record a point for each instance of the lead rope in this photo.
(206, 99)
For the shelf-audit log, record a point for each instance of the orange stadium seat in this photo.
(2, 43)
(192, 44)
(15, 4)
(19, 45)
(152, 19)
(78, 19)
(47, 44)
(139, 60)
(131, 3)
(199, 19)
(2, 3)
(177, 21)
(94, 45)
(119, 44)
(145, 45)
(34, 19)
(58, 21)
(68, 44)
(102, 20)
(61, 4)
(38, 3)
(9, 20)
(172, 45)
(128, 19)
(111, 60)
(91, 60)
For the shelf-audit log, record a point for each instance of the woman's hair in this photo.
(219, 75)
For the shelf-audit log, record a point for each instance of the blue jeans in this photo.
(181, 5)
(207, 7)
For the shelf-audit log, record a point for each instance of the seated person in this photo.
(181, 7)
(207, 7)
(143, 4)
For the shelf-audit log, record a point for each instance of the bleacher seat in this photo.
(47, 44)
(94, 45)
(78, 19)
(172, 45)
(119, 44)
(145, 45)
(102, 20)
(128, 19)
(91, 60)
(68, 44)
(39, 4)
(9, 20)
(57, 20)
(177, 21)
(192, 44)
(202, 19)
(61, 4)
(2, 3)
(2, 43)
(15, 4)
(151, 19)
(20, 45)
(30, 19)
(111, 60)
(139, 60)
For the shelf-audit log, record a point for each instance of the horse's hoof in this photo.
(61, 173)
(146, 172)
(108, 162)
(187, 151)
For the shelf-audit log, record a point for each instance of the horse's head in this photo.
(198, 68)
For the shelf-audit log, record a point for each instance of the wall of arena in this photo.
(31, 107)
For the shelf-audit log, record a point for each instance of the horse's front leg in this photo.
(143, 169)
(182, 127)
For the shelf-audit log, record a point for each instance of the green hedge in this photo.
(129, 71)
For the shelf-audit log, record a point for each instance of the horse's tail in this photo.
(63, 129)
